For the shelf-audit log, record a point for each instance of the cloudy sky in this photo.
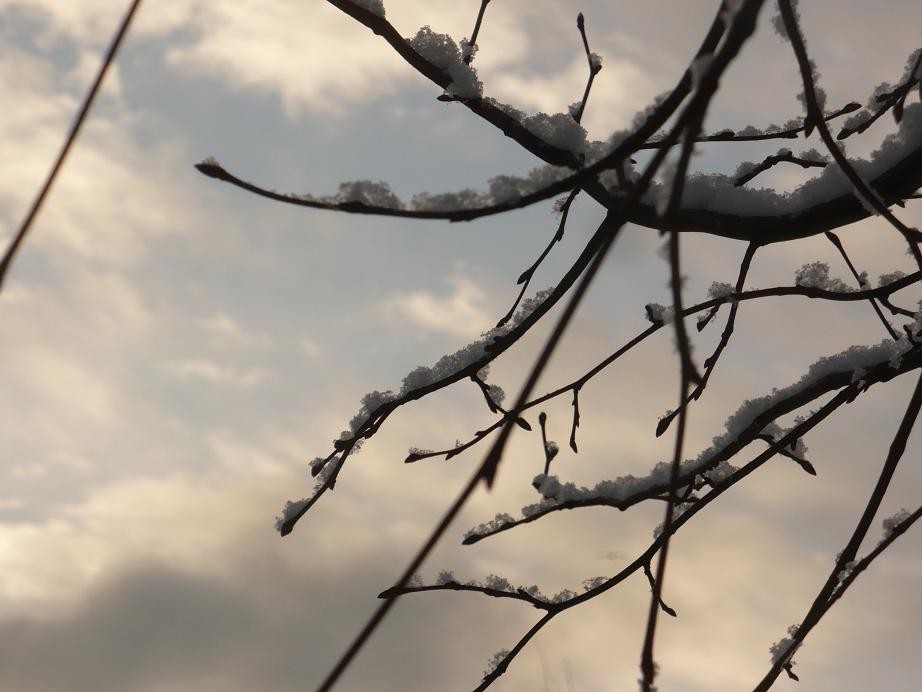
(176, 350)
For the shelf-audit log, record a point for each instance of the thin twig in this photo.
(75, 127)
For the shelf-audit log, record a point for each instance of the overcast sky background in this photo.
(175, 351)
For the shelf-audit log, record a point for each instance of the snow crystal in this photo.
(373, 6)
(496, 393)
(452, 363)
(846, 570)
(659, 314)
(291, 509)
(744, 169)
(559, 130)
(750, 131)
(721, 472)
(813, 155)
(679, 510)
(595, 62)
(778, 20)
(443, 52)
(449, 201)
(816, 275)
(623, 488)
(494, 661)
(445, 577)
(829, 184)
(372, 193)
(641, 116)
(509, 110)
(911, 65)
(370, 403)
(594, 583)
(887, 279)
(468, 50)
(720, 289)
(502, 188)
(879, 90)
(497, 583)
(778, 649)
(495, 524)
(854, 122)
(563, 596)
(891, 522)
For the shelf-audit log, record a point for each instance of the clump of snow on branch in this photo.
(442, 51)
(812, 154)
(856, 121)
(678, 511)
(891, 522)
(495, 582)
(720, 289)
(887, 279)
(856, 359)
(779, 650)
(499, 522)
(559, 130)
(502, 188)
(494, 661)
(468, 50)
(718, 193)
(453, 363)
(721, 472)
(778, 20)
(816, 275)
(376, 194)
(798, 448)
(594, 583)
(323, 470)
(744, 169)
(846, 570)
(706, 191)
(659, 314)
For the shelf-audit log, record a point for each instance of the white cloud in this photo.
(461, 313)
(216, 373)
(311, 348)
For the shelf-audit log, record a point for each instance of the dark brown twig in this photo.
(75, 127)
(595, 66)
(472, 43)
